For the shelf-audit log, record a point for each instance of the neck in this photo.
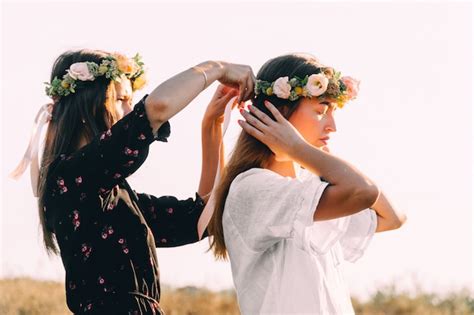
(284, 168)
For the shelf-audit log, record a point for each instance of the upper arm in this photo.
(338, 202)
(154, 112)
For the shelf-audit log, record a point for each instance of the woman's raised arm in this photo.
(349, 191)
(174, 94)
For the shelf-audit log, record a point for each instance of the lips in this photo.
(324, 140)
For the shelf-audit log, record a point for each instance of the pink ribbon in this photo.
(31, 155)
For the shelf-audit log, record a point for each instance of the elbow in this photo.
(367, 196)
(399, 221)
(157, 108)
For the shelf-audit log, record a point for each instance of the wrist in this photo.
(209, 122)
(298, 149)
(214, 69)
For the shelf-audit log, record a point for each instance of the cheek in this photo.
(119, 109)
(309, 126)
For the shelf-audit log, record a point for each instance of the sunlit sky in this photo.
(409, 130)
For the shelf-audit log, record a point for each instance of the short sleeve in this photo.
(353, 233)
(360, 230)
(111, 157)
(266, 207)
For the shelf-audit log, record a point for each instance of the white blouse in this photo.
(282, 261)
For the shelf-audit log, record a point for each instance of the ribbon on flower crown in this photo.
(206, 214)
(31, 154)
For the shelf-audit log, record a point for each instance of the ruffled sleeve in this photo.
(353, 233)
(266, 208)
(360, 230)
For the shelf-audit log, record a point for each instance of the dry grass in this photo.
(24, 296)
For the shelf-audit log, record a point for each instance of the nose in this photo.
(331, 124)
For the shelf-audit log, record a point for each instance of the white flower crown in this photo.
(325, 84)
(112, 67)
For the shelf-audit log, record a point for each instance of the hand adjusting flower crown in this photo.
(112, 67)
(325, 84)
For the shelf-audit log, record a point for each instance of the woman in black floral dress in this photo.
(105, 232)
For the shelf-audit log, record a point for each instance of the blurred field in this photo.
(23, 296)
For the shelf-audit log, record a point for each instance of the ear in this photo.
(287, 110)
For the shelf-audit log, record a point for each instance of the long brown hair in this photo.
(77, 117)
(249, 152)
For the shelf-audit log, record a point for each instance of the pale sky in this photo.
(409, 130)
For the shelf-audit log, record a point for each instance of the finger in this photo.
(242, 91)
(249, 88)
(276, 113)
(221, 90)
(251, 130)
(253, 120)
(264, 118)
(253, 79)
(240, 105)
(229, 95)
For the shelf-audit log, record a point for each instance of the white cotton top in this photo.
(282, 261)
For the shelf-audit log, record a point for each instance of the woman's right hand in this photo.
(239, 77)
(280, 135)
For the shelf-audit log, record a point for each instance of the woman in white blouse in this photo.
(287, 211)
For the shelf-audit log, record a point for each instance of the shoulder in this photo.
(256, 184)
(255, 178)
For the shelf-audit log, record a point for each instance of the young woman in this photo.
(284, 227)
(105, 232)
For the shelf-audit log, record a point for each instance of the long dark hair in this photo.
(76, 118)
(250, 152)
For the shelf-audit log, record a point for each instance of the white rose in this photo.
(80, 71)
(282, 88)
(317, 84)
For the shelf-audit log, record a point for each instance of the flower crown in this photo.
(325, 84)
(112, 67)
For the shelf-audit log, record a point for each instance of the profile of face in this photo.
(124, 95)
(314, 120)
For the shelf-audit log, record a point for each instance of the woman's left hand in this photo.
(215, 110)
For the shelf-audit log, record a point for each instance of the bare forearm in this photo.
(174, 94)
(335, 170)
(388, 218)
(211, 154)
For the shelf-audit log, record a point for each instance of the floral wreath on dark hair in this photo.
(325, 84)
(112, 67)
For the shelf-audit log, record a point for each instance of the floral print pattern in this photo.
(106, 232)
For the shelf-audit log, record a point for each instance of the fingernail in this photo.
(249, 106)
(241, 110)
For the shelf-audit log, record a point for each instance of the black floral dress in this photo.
(106, 232)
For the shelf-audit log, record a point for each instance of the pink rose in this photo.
(352, 86)
(317, 84)
(80, 71)
(282, 88)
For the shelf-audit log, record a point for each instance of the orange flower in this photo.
(124, 64)
(139, 82)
